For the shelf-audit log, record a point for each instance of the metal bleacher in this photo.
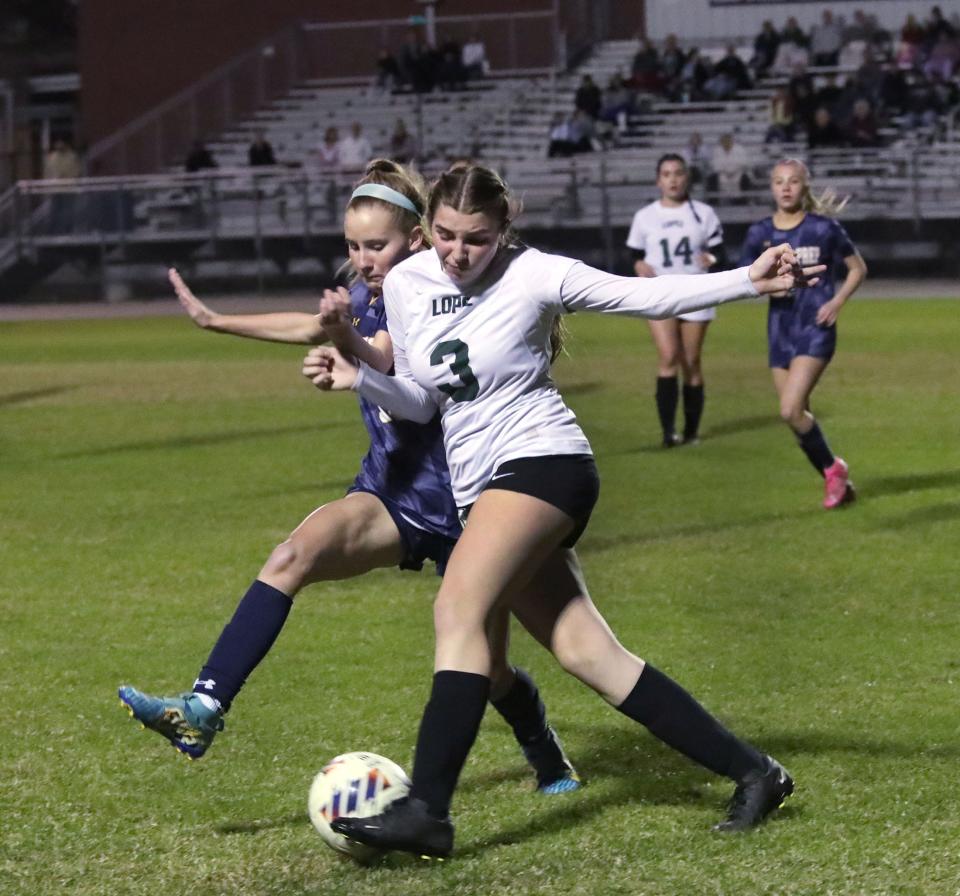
(282, 211)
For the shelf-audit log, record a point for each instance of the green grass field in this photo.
(148, 468)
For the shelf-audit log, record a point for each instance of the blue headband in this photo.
(387, 194)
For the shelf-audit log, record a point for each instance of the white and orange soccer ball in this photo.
(354, 784)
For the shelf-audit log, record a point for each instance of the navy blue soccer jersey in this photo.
(405, 465)
(792, 327)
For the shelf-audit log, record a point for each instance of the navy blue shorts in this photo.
(419, 543)
(792, 330)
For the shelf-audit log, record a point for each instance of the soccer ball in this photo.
(354, 784)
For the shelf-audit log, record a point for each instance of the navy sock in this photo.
(671, 714)
(693, 399)
(668, 391)
(244, 642)
(522, 709)
(815, 446)
(448, 729)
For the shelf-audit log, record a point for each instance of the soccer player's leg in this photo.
(506, 539)
(692, 335)
(514, 695)
(565, 619)
(340, 540)
(666, 339)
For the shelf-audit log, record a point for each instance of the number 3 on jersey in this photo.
(459, 366)
(682, 249)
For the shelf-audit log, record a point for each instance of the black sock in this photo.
(522, 709)
(692, 410)
(671, 714)
(815, 446)
(244, 641)
(448, 729)
(667, 395)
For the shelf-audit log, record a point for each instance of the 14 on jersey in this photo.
(673, 238)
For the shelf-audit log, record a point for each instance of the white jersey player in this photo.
(677, 235)
(471, 326)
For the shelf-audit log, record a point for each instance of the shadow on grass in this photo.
(743, 424)
(935, 513)
(266, 824)
(217, 438)
(598, 544)
(31, 394)
(912, 482)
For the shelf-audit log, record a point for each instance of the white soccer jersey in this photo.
(483, 357)
(672, 238)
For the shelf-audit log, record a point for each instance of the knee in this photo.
(289, 565)
(581, 657)
(792, 413)
(452, 617)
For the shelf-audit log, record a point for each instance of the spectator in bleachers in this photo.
(327, 154)
(260, 151)
(826, 39)
(561, 142)
(911, 42)
(671, 64)
(694, 76)
(729, 165)
(451, 75)
(588, 97)
(582, 131)
(765, 46)
(416, 63)
(794, 34)
(474, 58)
(823, 130)
(862, 129)
(695, 155)
(781, 124)
(943, 57)
(865, 27)
(617, 102)
(828, 95)
(388, 71)
(790, 54)
(62, 163)
(403, 145)
(354, 150)
(800, 88)
(729, 75)
(894, 89)
(645, 70)
(936, 27)
(199, 157)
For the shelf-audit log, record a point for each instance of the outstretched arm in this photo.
(282, 326)
(586, 288)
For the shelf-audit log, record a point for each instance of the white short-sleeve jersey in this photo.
(483, 357)
(672, 238)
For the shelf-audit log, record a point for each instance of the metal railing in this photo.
(592, 191)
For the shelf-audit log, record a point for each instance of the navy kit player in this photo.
(398, 512)
(524, 477)
(802, 323)
(677, 235)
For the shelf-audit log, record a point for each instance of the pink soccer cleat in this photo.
(837, 488)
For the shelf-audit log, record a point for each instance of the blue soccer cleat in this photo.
(555, 773)
(183, 720)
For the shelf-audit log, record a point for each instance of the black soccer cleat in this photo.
(672, 440)
(555, 773)
(405, 825)
(756, 796)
